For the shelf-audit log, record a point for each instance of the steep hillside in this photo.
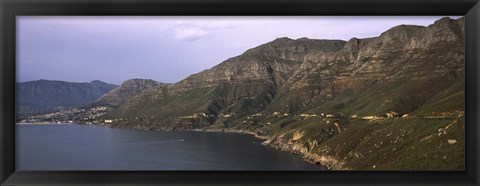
(243, 84)
(390, 102)
(398, 71)
(126, 91)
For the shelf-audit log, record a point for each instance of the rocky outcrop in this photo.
(348, 90)
(275, 61)
(126, 91)
(242, 84)
(294, 75)
(402, 54)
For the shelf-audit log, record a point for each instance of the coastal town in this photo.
(93, 116)
(78, 115)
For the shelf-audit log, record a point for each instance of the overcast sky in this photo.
(167, 49)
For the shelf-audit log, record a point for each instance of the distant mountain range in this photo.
(43, 96)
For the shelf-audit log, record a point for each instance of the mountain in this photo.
(244, 84)
(395, 101)
(126, 91)
(47, 96)
(400, 70)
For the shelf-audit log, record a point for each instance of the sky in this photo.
(114, 49)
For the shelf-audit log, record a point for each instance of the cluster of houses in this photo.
(70, 115)
(226, 117)
(390, 114)
(194, 116)
(107, 121)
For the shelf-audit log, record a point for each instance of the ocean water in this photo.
(87, 147)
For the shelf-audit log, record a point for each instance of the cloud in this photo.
(196, 28)
(217, 24)
(189, 34)
(210, 24)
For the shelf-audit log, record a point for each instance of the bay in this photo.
(90, 147)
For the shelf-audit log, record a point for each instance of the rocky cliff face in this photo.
(295, 76)
(274, 61)
(338, 103)
(424, 59)
(48, 96)
(126, 91)
(242, 84)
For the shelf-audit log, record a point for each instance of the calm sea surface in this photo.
(86, 147)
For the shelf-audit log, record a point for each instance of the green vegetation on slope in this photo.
(390, 102)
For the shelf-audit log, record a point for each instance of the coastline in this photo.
(43, 123)
(345, 157)
(233, 131)
(294, 149)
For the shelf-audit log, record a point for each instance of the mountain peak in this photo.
(127, 90)
(414, 68)
(51, 95)
(97, 82)
(294, 50)
(303, 39)
(283, 39)
(402, 31)
(444, 20)
(140, 82)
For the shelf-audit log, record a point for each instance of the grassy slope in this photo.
(244, 98)
(389, 144)
(413, 143)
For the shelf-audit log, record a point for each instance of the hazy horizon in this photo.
(167, 49)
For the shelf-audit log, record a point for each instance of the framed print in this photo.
(253, 92)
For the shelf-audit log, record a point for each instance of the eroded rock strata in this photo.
(390, 102)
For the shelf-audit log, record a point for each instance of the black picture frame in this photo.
(11, 8)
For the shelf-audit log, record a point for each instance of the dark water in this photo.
(78, 147)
